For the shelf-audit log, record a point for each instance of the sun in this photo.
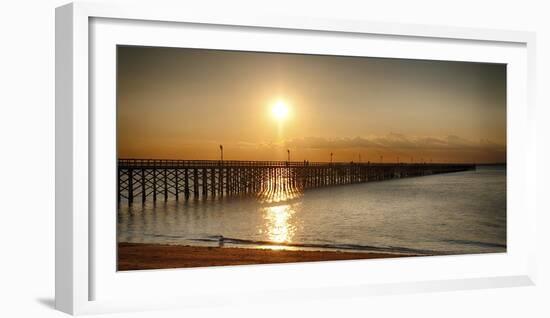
(280, 110)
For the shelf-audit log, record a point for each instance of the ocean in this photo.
(453, 213)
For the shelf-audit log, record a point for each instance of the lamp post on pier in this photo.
(221, 152)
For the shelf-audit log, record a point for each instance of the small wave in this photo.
(163, 235)
(207, 238)
(332, 246)
(220, 239)
(477, 243)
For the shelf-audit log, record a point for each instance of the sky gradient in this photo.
(178, 103)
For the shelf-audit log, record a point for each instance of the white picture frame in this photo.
(86, 280)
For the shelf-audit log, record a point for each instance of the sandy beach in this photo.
(135, 256)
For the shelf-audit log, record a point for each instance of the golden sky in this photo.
(178, 103)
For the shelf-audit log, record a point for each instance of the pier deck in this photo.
(143, 179)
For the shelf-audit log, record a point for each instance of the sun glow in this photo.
(280, 110)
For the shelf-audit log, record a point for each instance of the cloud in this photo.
(396, 142)
(323, 143)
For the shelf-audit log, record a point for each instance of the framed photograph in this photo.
(200, 155)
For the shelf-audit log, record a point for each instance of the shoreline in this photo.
(139, 256)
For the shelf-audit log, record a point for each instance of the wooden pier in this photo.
(140, 180)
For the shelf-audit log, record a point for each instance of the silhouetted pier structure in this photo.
(142, 179)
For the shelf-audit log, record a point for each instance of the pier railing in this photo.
(144, 179)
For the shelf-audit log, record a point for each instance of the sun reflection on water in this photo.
(279, 189)
(278, 223)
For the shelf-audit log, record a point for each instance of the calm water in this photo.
(462, 212)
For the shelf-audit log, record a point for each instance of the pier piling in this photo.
(146, 179)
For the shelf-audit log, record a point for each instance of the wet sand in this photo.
(134, 256)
